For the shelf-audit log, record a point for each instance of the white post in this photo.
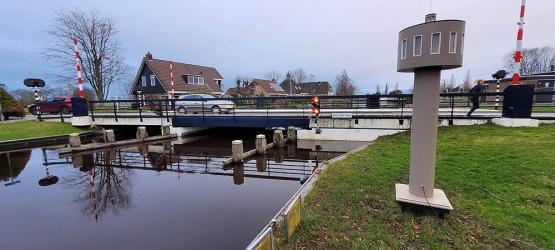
(237, 150)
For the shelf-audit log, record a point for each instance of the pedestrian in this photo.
(475, 99)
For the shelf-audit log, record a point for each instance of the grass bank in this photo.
(31, 129)
(501, 182)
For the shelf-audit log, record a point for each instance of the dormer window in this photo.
(417, 46)
(436, 43)
(197, 80)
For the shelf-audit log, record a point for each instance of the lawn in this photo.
(500, 181)
(30, 129)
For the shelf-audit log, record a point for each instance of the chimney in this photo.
(148, 56)
(288, 75)
(430, 17)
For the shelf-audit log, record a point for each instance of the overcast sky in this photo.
(253, 37)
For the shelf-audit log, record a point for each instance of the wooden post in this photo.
(261, 144)
(291, 134)
(141, 132)
(237, 150)
(278, 138)
(238, 174)
(110, 136)
(165, 129)
(74, 140)
(261, 163)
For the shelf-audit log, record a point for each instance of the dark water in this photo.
(159, 196)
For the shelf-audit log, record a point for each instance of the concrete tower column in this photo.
(424, 131)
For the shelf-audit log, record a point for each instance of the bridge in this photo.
(337, 112)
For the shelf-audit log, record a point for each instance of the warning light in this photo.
(316, 105)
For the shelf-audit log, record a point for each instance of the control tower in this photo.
(426, 49)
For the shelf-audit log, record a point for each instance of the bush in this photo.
(10, 106)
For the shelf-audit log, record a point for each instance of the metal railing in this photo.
(383, 106)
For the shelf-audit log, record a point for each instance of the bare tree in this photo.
(534, 60)
(467, 81)
(451, 83)
(299, 75)
(273, 75)
(344, 84)
(386, 88)
(99, 51)
(378, 90)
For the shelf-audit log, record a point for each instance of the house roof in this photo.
(161, 69)
(314, 88)
(268, 86)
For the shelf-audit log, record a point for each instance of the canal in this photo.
(160, 196)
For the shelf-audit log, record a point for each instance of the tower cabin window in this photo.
(453, 42)
(197, 80)
(404, 49)
(152, 80)
(417, 46)
(436, 43)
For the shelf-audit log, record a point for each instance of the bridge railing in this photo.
(400, 104)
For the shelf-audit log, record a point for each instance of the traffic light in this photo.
(316, 105)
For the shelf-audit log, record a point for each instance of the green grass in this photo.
(30, 129)
(500, 181)
(534, 109)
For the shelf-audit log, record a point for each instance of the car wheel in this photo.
(216, 110)
(182, 110)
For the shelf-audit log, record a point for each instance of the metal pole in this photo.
(518, 52)
(497, 96)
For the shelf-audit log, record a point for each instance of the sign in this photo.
(264, 241)
(341, 115)
(292, 217)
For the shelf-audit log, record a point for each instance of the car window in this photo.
(59, 100)
(206, 96)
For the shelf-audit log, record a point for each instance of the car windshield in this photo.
(199, 96)
(206, 96)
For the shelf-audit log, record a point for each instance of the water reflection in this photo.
(11, 165)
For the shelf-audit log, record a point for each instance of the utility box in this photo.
(517, 101)
(79, 106)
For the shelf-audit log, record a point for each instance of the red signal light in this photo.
(316, 105)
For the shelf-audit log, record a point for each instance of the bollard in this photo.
(278, 138)
(238, 174)
(74, 140)
(291, 134)
(279, 155)
(237, 150)
(165, 129)
(261, 144)
(261, 163)
(109, 136)
(141, 132)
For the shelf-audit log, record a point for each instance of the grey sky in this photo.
(252, 37)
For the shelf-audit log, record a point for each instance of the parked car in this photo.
(53, 106)
(196, 102)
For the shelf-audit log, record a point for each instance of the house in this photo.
(543, 82)
(153, 79)
(258, 87)
(308, 88)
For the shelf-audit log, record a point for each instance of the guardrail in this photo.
(296, 105)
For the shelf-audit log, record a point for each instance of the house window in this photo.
(152, 80)
(143, 81)
(417, 46)
(198, 80)
(404, 49)
(453, 42)
(436, 43)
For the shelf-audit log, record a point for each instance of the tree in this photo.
(10, 106)
(378, 90)
(534, 60)
(467, 82)
(99, 51)
(451, 83)
(344, 84)
(25, 97)
(386, 91)
(299, 75)
(273, 75)
(396, 91)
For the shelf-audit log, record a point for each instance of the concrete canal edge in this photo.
(288, 218)
(43, 141)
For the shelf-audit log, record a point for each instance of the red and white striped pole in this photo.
(171, 79)
(78, 65)
(518, 52)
